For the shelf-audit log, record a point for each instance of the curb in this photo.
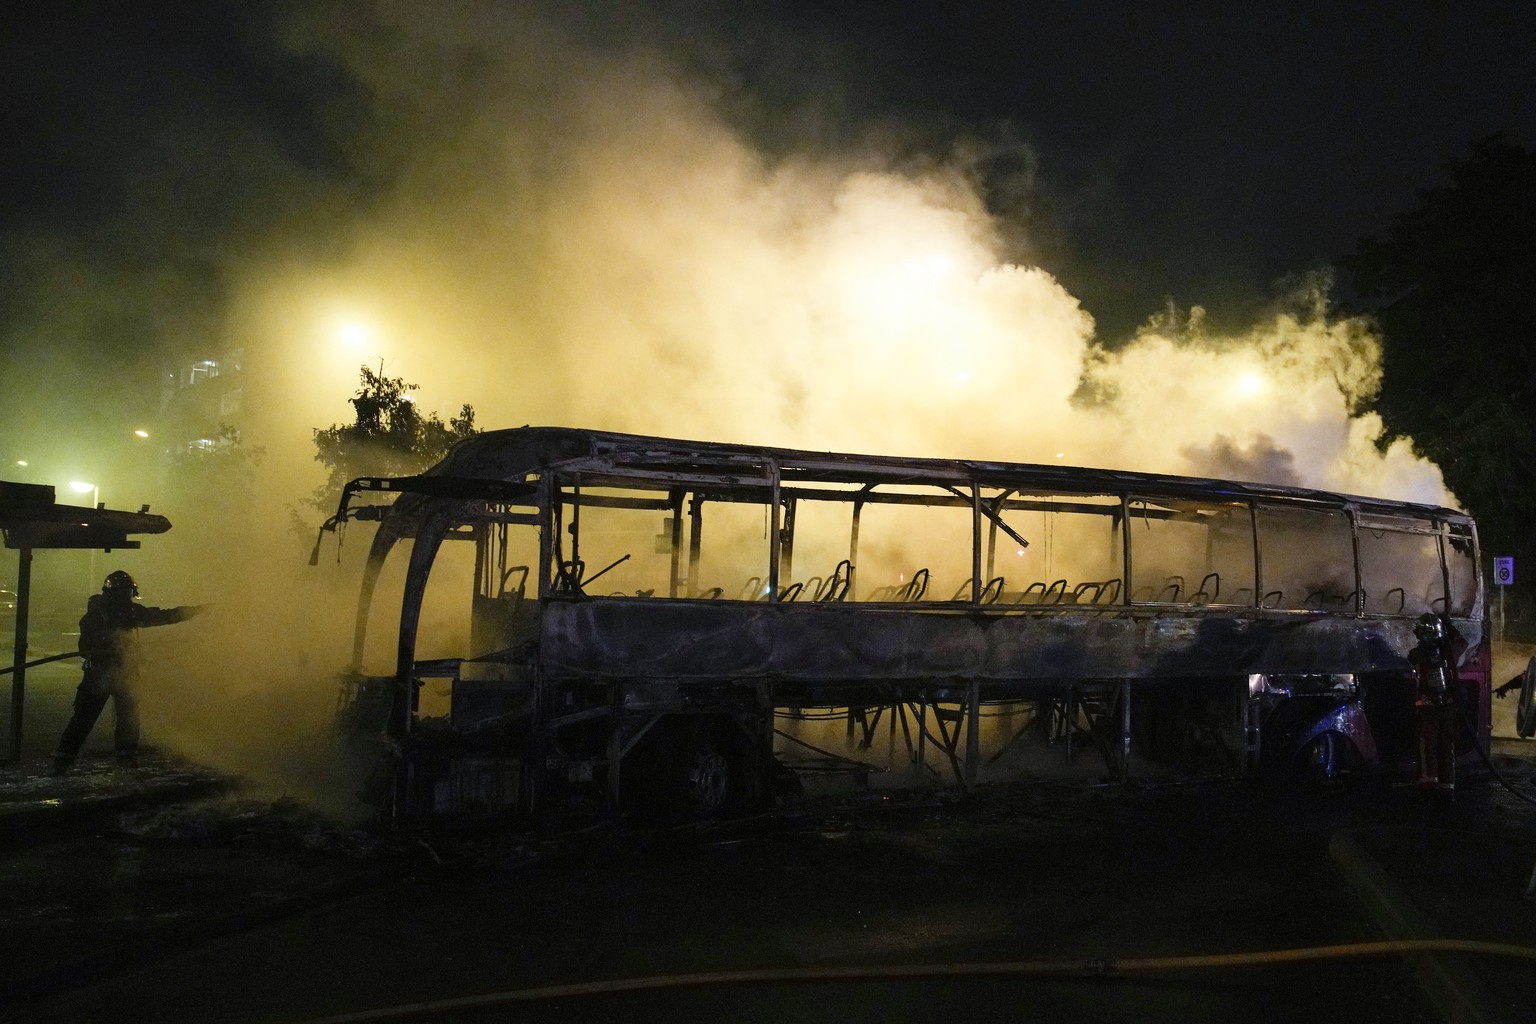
(34, 821)
(1457, 993)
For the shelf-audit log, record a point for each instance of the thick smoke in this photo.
(581, 238)
(592, 244)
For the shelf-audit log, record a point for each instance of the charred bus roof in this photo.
(499, 465)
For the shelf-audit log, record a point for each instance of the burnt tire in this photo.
(1328, 757)
(707, 783)
(1298, 749)
(686, 770)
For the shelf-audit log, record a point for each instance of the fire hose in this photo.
(1525, 710)
(1525, 722)
(40, 661)
(1063, 968)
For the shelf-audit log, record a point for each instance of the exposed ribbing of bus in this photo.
(1124, 608)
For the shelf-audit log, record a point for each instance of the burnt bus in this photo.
(558, 619)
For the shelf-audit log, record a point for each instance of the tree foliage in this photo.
(1451, 284)
(389, 437)
(221, 462)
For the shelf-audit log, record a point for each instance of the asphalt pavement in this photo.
(32, 797)
(223, 873)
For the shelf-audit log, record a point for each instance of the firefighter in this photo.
(106, 641)
(1436, 713)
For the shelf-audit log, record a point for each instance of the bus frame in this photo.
(667, 701)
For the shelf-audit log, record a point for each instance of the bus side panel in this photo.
(1476, 677)
(830, 643)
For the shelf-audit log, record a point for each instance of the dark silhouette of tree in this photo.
(1453, 285)
(220, 470)
(390, 437)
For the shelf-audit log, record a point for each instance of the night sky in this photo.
(1143, 153)
(1193, 151)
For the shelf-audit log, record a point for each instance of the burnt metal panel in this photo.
(509, 454)
(826, 644)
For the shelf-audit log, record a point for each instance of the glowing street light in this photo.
(141, 433)
(354, 334)
(358, 337)
(81, 487)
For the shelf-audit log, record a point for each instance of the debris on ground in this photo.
(283, 824)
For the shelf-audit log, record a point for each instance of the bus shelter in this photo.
(31, 520)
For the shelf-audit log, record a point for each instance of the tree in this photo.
(390, 437)
(220, 462)
(1450, 284)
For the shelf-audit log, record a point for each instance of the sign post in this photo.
(1503, 575)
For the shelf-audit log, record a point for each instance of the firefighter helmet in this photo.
(1429, 627)
(119, 583)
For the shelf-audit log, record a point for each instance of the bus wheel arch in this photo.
(1328, 756)
(1318, 742)
(690, 767)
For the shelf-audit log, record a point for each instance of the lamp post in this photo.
(358, 338)
(81, 487)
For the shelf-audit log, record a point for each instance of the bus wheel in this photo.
(1328, 757)
(683, 771)
(707, 781)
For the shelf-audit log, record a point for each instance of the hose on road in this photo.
(40, 661)
(1068, 968)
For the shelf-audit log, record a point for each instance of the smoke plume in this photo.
(586, 240)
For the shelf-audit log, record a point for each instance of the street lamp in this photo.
(81, 487)
(354, 334)
(1249, 384)
(357, 337)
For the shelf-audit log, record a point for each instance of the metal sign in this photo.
(1504, 570)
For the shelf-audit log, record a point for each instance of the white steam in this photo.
(593, 246)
